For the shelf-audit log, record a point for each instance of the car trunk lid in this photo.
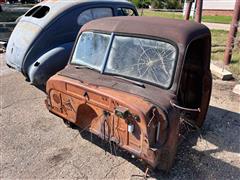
(21, 39)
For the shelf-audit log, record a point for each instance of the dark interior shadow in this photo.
(221, 128)
(40, 87)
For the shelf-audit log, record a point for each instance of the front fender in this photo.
(49, 64)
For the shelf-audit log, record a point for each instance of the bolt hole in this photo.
(36, 64)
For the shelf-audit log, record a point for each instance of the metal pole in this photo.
(232, 34)
(188, 10)
(198, 17)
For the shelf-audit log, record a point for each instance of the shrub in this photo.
(157, 4)
(141, 3)
(172, 4)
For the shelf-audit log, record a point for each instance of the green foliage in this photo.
(179, 15)
(172, 4)
(155, 4)
(141, 3)
(166, 4)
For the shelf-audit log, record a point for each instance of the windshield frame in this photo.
(108, 50)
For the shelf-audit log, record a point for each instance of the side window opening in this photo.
(40, 13)
(94, 13)
(33, 10)
(190, 92)
(192, 85)
(125, 12)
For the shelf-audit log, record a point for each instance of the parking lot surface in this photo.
(35, 144)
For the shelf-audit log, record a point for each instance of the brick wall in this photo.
(218, 12)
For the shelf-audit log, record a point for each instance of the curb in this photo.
(236, 89)
(221, 72)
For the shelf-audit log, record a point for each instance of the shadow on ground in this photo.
(220, 132)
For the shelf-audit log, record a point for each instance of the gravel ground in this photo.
(35, 144)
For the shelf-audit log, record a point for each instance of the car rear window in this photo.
(33, 10)
(94, 13)
(38, 12)
(125, 12)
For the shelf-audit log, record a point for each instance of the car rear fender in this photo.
(49, 64)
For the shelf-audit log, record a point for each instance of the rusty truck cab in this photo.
(136, 86)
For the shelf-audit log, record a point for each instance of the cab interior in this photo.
(192, 90)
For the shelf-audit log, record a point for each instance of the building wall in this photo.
(218, 4)
(217, 12)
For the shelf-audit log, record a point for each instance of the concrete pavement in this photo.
(217, 26)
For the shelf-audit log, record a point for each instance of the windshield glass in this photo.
(132, 57)
(144, 59)
(91, 49)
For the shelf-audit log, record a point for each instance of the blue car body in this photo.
(41, 42)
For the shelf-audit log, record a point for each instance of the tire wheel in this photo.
(70, 124)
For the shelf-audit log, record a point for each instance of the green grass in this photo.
(217, 19)
(219, 38)
(178, 15)
(174, 15)
(9, 16)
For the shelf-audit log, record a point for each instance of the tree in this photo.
(159, 4)
(172, 4)
(141, 3)
(167, 4)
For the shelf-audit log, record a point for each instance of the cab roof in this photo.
(178, 31)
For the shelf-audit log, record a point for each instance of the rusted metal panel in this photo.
(188, 10)
(198, 17)
(232, 34)
(144, 118)
(170, 28)
(99, 109)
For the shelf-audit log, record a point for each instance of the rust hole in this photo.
(56, 98)
(85, 115)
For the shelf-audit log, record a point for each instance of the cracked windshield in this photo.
(145, 59)
(141, 59)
